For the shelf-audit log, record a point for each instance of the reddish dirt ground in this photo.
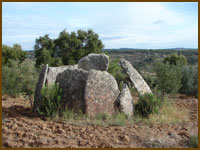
(21, 128)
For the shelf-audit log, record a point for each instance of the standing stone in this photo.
(135, 77)
(101, 92)
(39, 86)
(47, 77)
(125, 101)
(94, 61)
(72, 82)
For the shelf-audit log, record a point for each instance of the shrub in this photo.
(13, 53)
(28, 79)
(51, 100)
(189, 80)
(168, 77)
(19, 78)
(11, 84)
(147, 104)
(175, 59)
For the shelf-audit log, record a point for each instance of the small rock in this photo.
(125, 101)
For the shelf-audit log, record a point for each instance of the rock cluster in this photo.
(88, 86)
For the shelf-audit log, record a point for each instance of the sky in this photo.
(149, 25)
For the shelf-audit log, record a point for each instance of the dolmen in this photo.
(87, 86)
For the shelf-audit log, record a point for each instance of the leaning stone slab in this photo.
(125, 101)
(72, 82)
(101, 92)
(39, 86)
(135, 77)
(94, 61)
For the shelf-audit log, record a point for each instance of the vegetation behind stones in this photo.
(147, 104)
(116, 71)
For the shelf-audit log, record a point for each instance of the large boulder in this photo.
(73, 82)
(125, 101)
(94, 61)
(101, 92)
(135, 77)
(47, 77)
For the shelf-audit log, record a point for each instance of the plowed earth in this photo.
(21, 128)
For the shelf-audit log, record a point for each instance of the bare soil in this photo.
(22, 128)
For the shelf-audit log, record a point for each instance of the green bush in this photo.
(28, 79)
(13, 53)
(189, 80)
(51, 100)
(10, 80)
(147, 104)
(168, 77)
(175, 59)
(17, 77)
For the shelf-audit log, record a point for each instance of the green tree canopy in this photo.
(68, 48)
(13, 53)
(44, 50)
(175, 59)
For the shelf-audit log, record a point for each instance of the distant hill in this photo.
(137, 49)
(140, 56)
(143, 59)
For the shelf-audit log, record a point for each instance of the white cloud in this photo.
(118, 24)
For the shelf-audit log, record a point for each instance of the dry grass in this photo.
(169, 114)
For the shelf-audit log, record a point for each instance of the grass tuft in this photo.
(118, 120)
